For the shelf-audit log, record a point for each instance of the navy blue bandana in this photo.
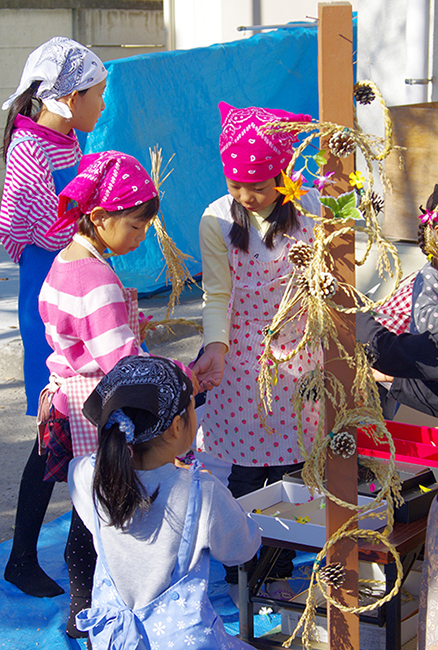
(151, 391)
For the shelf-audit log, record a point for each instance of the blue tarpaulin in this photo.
(171, 98)
(39, 623)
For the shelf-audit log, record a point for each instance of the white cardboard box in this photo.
(277, 519)
(371, 637)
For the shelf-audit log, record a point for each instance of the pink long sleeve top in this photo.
(83, 309)
(29, 203)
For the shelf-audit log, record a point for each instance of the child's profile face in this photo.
(88, 108)
(253, 196)
(122, 234)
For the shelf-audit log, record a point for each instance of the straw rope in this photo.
(313, 291)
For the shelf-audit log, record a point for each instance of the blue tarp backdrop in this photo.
(171, 99)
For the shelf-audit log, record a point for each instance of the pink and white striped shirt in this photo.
(83, 308)
(29, 204)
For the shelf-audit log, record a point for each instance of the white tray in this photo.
(282, 502)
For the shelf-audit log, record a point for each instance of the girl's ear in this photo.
(98, 216)
(70, 100)
(175, 429)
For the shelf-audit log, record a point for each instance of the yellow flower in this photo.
(303, 520)
(357, 179)
(292, 189)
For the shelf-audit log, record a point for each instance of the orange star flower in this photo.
(292, 189)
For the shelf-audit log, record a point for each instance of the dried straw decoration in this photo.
(177, 271)
(310, 292)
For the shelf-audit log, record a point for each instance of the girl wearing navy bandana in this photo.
(154, 524)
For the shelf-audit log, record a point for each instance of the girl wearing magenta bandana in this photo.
(245, 239)
(60, 90)
(91, 322)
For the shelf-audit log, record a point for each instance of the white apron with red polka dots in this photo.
(231, 428)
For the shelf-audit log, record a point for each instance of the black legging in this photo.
(81, 560)
(33, 499)
(34, 495)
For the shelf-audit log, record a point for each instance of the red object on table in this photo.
(413, 444)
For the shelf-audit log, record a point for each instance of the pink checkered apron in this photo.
(395, 313)
(231, 427)
(79, 387)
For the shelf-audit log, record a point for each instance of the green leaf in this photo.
(320, 158)
(343, 207)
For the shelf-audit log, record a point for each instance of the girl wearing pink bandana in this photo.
(91, 322)
(245, 270)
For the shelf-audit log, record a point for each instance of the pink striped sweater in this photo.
(29, 204)
(84, 312)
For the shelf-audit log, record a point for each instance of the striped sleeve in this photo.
(86, 319)
(29, 204)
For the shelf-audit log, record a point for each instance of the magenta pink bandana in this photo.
(248, 154)
(111, 180)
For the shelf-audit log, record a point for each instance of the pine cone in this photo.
(302, 283)
(328, 285)
(341, 144)
(343, 444)
(377, 202)
(333, 575)
(300, 254)
(364, 94)
(310, 395)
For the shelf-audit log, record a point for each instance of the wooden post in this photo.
(335, 78)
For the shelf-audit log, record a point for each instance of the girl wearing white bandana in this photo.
(60, 90)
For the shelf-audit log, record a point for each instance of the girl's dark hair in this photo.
(148, 210)
(282, 219)
(431, 204)
(116, 485)
(26, 104)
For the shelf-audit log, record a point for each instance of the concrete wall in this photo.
(199, 23)
(111, 33)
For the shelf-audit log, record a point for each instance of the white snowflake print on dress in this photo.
(159, 628)
(190, 639)
(191, 589)
(208, 631)
(182, 602)
(155, 645)
(170, 644)
(160, 607)
(169, 619)
(180, 625)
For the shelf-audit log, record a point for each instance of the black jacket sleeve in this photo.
(409, 356)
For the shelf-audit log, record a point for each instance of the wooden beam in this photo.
(335, 78)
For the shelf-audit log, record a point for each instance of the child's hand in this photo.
(209, 368)
(379, 376)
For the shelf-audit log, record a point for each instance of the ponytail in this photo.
(116, 485)
(282, 219)
(26, 104)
